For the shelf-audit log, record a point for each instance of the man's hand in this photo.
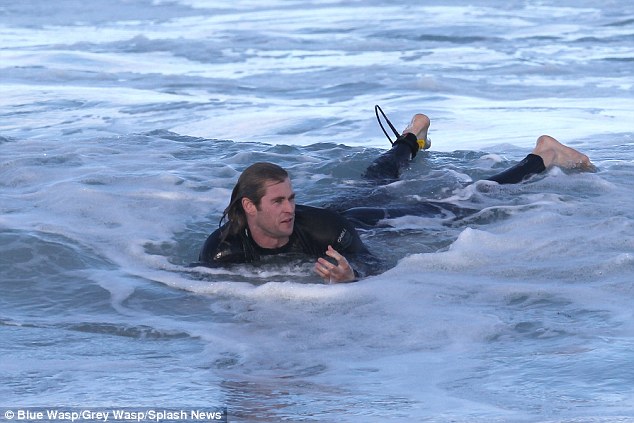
(331, 273)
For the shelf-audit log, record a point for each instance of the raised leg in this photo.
(548, 152)
(387, 167)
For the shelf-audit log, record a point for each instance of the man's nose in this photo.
(290, 207)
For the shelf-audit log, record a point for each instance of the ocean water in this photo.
(124, 125)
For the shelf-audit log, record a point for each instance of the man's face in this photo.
(272, 221)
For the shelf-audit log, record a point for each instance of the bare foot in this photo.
(555, 153)
(418, 126)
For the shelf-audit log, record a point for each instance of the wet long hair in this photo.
(252, 185)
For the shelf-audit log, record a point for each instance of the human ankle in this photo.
(418, 126)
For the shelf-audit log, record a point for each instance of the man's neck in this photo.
(266, 241)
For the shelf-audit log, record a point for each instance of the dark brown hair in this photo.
(252, 185)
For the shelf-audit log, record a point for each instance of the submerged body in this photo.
(263, 218)
(313, 231)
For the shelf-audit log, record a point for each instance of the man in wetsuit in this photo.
(264, 220)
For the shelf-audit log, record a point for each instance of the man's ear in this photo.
(248, 206)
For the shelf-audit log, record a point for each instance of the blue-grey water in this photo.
(124, 125)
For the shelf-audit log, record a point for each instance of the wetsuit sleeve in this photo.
(218, 251)
(318, 228)
(531, 165)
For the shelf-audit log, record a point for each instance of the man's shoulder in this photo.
(223, 247)
(322, 227)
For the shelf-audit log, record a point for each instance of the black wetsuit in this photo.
(314, 230)
(387, 168)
